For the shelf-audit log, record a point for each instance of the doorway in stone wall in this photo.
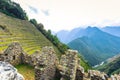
(14, 57)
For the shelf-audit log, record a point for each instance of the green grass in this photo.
(23, 32)
(84, 63)
(26, 70)
(27, 35)
(110, 67)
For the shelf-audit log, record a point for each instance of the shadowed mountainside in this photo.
(112, 65)
(96, 45)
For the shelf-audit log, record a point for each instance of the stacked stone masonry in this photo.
(47, 66)
(13, 54)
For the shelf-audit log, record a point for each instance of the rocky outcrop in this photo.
(115, 77)
(8, 72)
(45, 68)
(80, 73)
(70, 69)
(69, 66)
(97, 75)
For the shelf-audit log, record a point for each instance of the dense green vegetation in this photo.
(111, 68)
(12, 9)
(84, 63)
(53, 38)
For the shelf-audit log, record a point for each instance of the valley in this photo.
(93, 44)
(32, 48)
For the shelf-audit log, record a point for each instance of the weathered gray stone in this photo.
(97, 75)
(69, 66)
(48, 67)
(45, 68)
(115, 77)
(79, 73)
(8, 72)
(13, 54)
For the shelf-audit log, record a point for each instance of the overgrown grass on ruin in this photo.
(26, 70)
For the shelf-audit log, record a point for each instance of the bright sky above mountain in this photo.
(68, 14)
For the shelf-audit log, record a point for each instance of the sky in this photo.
(68, 14)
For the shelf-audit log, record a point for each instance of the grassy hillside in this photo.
(31, 36)
(111, 67)
(84, 63)
(12, 29)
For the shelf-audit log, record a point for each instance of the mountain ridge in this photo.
(114, 30)
(96, 43)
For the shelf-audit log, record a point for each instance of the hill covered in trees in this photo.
(111, 65)
(12, 9)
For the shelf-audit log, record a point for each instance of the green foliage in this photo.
(33, 21)
(22, 31)
(53, 38)
(110, 68)
(12, 9)
(26, 70)
(84, 63)
(96, 47)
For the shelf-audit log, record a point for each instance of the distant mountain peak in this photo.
(93, 42)
(90, 31)
(89, 28)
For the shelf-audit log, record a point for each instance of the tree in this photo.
(33, 21)
(12, 9)
(53, 38)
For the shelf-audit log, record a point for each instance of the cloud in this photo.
(33, 9)
(68, 14)
(46, 12)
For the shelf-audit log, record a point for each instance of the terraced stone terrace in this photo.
(31, 40)
(12, 29)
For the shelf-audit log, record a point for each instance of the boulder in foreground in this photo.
(8, 72)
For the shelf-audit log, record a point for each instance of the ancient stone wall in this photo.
(69, 66)
(12, 54)
(48, 67)
(97, 75)
(115, 77)
(45, 68)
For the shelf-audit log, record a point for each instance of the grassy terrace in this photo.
(23, 32)
(27, 35)
(26, 70)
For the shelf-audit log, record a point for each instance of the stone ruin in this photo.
(97, 75)
(13, 54)
(115, 77)
(47, 66)
(43, 61)
(69, 66)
